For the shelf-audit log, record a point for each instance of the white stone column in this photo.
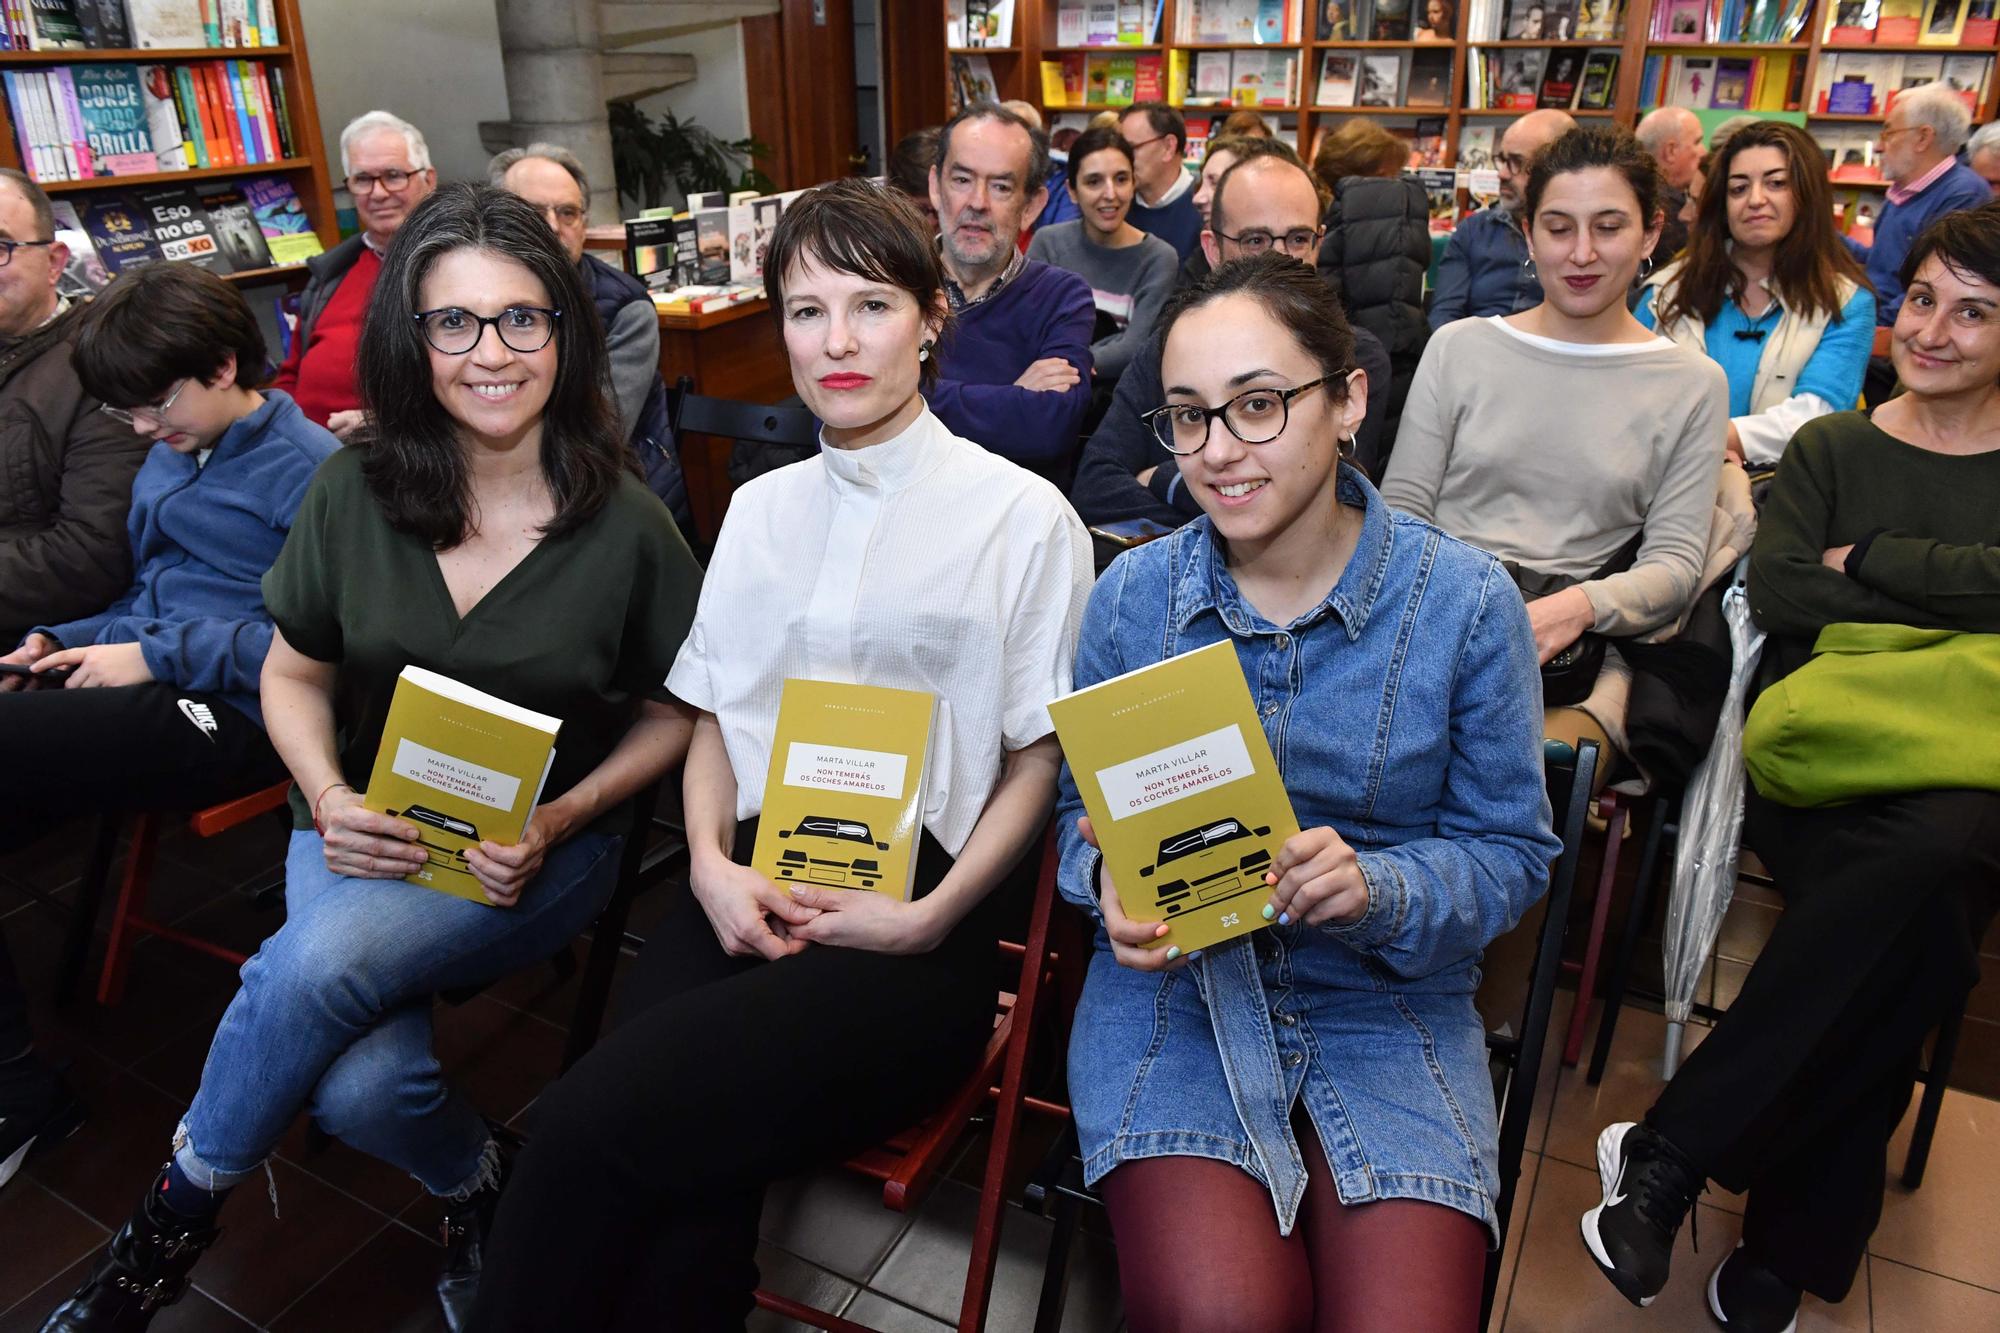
(550, 56)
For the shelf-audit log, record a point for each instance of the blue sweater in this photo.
(1045, 311)
(1899, 225)
(1484, 270)
(202, 538)
(1177, 223)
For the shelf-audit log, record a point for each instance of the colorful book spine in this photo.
(211, 22)
(253, 129)
(274, 80)
(211, 117)
(62, 88)
(190, 113)
(31, 154)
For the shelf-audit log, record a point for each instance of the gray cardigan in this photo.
(1133, 282)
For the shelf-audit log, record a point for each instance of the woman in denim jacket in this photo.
(1238, 1106)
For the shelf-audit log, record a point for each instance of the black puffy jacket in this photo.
(1376, 252)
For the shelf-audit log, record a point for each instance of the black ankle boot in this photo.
(145, 1267)
(467, 1222)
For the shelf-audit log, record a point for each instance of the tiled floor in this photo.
(353, 1247)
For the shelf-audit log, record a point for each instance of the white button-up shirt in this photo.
(923, 563)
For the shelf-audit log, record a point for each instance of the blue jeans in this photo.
(334, 1015)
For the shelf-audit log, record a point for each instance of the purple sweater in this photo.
(1045, 311)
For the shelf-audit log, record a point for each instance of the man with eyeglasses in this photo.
(387, 166)
(1163, 187)
(1260, 205)
(552, 179)
(65, 469)
(1485, 267)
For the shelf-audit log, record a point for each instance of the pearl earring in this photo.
(924, 352)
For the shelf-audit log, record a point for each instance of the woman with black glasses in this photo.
(487, 530)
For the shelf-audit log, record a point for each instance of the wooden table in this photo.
(730, 353)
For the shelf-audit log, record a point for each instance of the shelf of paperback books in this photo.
(170, 177)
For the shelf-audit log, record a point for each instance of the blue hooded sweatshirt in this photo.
(202, 537)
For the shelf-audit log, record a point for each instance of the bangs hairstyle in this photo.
(162, 323)
(856, 227)
(1968, 241)
(1588, 147)
(1293, 294)
(413, 461)
(1810, 259)
(1094, 141)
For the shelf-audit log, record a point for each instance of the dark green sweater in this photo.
(1934, 561)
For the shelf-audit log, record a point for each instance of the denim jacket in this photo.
(1405, 712)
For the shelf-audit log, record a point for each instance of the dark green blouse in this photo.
(583, 628)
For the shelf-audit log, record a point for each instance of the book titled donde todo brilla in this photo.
(462, 765)
(1182, 792)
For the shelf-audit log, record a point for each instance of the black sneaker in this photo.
(36, 1106)
(1746, 1297)
(1649, 1186)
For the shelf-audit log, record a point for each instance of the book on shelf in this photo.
(847, 788)
(98, 25)
(1217, 22)
(282, 219)
(1333, 21)
(1899, 22)
(1381, 79)
(1982, 27)
(650, 245)
(1427, 143)
(104, 25)
(1852, 154)
(53, 26)
(1441, 195)
(233, 223)
(972, 81)
(1680, 21)
(1199, 130)
(1100, 22)
(979, 23)
(119, 233)
(1429, 83)
(1968, 76)
(1599, 82)
(84, 273)
(1262, 78)
(465, 767)
(1389, 21)
(1732, 84)
(1943, 23)
(1559, 79)
(1519, 81)
(1540, 21)
(1211, 78)
(179, 223)
(113, 107)
(1475, 147)
(1120, 78)
(1184, 797)
(1852, 22)
(1600, 20)
(1149, 79)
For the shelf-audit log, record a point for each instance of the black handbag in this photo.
(1569, 676)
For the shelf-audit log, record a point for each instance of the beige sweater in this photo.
(1552, 457)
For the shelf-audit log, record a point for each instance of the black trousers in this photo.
(14, 1035)
(1796, 1092)
(636, 1203)
(131, 747)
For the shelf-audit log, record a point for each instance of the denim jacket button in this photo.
(1286, 1020)
(1270, 708)
(1293, 1059)
(1284, 640)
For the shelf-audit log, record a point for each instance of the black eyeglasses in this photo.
(1255, 416)
(524, 328)
(364, 182)
(1299, 242)
(7, 249)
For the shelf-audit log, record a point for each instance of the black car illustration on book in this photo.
(1208, 864)
(423, 816)
(828, 856)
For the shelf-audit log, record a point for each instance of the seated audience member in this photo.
(1130, 273)
(1768, 291)
(551, 178)
(1060, 207)
(1672, 134)
(910, 163)
(1925, 128)
(151, 702)
(1273, 205)
(1162, 203)
(905, 556)
(1982, 154)
(1485, 268)
(1245, 123)
(1223, 153)
(386, 166)
(1377, 247)
(1503, 437)
(1891, 519)
(1015, 374)
(485, 527)
(1366, 634)
(67, 468)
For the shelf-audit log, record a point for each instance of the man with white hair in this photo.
(1925, 127)
(1982, 154)
(387, 166)
(1672, 134)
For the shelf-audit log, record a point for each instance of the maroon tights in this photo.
(1199, 1250)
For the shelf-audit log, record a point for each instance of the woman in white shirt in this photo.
(767, 1029)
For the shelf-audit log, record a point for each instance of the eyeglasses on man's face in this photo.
(7, 249)
(154, 414)
(1299, 242)
(559, 215)
(454, 331)
(1255, 416)
(364, 182)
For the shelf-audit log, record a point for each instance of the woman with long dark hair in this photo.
(488, 530)
(1767, 290)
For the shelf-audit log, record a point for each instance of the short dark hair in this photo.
(1590, 146)
(910, 162)
(854, 226)
(1293, 295)
(1038, 142)
(412, 460)
(1163, 118)
(1094, 140)
(1289, 157)
(1968, 241)
(38, 201)
(165, 322)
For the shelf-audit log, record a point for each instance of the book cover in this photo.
(1389, 21)
(103, 23)
(1599, 82)
(84, 273)
(163, 121)
(1968, 75)
(1685, 21)
(1599, 20)
(1475, 148)
(1520, 82)
(69, 119)
(234, 225)
(114, 119)
(179, 223)
(1052, 84)
(1694, 81)
(1853, 23)
(1899, 22)
(1559, 80)
(1982, 27)
(1148, 79)
(282, 219)
(54, 26)
(1270, 22)
(845, 797)
(1943, 23)
(1211, 76)
(1427, 143)
(119, 234)
(712, 232)
(1182, 791)
(1732, 85)
(1100, 22)
(1070, 27)
(166, 24)
(1339, 77)
(1528, 21)
(1381, 79)
(462, 765)
(1430, 77)
(1199, 130)
(687, 251)
(1334, 21)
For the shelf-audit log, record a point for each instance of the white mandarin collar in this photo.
(893, 465)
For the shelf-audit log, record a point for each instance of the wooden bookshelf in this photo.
(1016, 67)
(310, 174)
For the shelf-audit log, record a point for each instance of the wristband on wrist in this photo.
(1851, 566)
(318, 827)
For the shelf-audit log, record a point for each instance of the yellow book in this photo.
(1054, 94)
(844, 799)
(1187, 803)
(462, 765)
(1177, 77)
(1943, 23)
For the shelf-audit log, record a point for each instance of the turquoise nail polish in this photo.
(1173, 952)
(1285, 920)
(1269, 911)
